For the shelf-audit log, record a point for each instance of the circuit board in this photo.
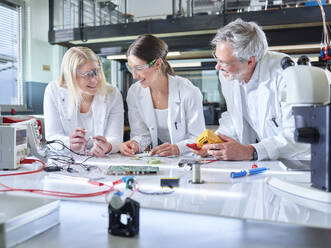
(132, 170)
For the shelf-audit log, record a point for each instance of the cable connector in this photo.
(53, 168)
(124, 179)
(96, 183)
(28, 161)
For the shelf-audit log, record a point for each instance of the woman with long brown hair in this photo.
(165, 110)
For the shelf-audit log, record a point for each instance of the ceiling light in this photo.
(173, 54)
(295, 47)
(185, 64)
(118, 56)
(123, 56)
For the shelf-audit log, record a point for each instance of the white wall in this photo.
(36, 49)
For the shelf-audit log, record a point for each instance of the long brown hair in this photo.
(148, 47)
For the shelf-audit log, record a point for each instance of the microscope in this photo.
(308, 89)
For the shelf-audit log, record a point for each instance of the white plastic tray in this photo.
(24, 217)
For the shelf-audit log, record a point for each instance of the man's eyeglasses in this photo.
(139, 68)
(89, 74)
(223, 64)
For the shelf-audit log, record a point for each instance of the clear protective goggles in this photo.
(90, 74)
(139, 68)
(223, 64)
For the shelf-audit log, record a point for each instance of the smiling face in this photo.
(88, 77)
(231, 67)
(141, 71)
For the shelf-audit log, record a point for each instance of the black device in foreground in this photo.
(169, 182)
(313, 125)
(130, 208)
(53, 168)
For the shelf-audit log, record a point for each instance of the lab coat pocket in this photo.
(274, 125)
(178, 129)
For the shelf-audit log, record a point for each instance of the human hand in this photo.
(129, 148)
(100, 146)
(230, 149)
(202, 152)
(165, 149)
(77, 139)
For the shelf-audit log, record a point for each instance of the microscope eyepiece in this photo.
(286, 62)
(303, 60)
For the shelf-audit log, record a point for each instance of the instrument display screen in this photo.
(21, 137)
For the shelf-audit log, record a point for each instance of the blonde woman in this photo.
(81, 105)
(165, 110)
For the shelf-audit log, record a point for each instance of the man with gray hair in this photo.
(256, 125)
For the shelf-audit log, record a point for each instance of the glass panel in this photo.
(10, 33)
(213, 101)
(96, 13)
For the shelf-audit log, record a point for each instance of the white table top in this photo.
(248, 197)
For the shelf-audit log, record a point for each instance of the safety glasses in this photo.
(139, 68)
(89, 74)
(223, 64)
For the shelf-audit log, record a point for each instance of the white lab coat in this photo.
(61, 114)
(185, 114)
(276, 142)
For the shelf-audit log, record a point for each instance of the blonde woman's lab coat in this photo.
(185, 114)
(61, 113)
(275, 117)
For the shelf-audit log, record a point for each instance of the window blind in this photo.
(10, 55)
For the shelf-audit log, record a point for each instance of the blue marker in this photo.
(248, 172)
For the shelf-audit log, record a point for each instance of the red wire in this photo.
(59, 193)
(26, 161)
(50, 192)
(207, 161)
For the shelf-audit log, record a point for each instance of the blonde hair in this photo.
(72, 60)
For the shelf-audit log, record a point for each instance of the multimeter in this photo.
(208, 137)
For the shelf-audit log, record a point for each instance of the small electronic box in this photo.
(13, 146)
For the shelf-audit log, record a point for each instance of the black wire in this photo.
(60, 142)
(86, 166)
(89, 157)
(72, 161)
(59, 157)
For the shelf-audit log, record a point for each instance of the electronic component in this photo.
(53, 168)
(188, 162)
(132, 170)
(13, 146)
(153, 161)
(169, 182)
(34, 138)
(117, 210)
(208, 137)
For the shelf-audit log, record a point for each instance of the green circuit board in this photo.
(132, 170)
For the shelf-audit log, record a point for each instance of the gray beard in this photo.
(233, 76)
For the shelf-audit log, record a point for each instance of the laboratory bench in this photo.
(223, 211)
